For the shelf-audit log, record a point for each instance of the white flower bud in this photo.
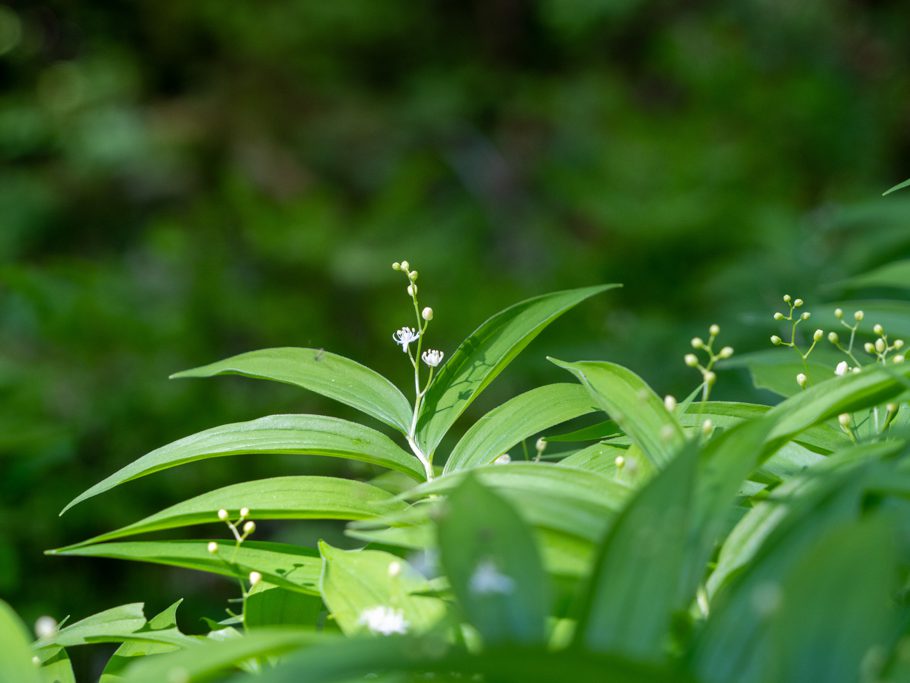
(880, 345)
(878, 329)
(798, 303)
(891, 407)
(412, 276)
(255, 577)
(839, 313)
(503, 459)
(619, 461)
(707, 427)
(212, 547)
(427, 313)
(801, 380)
(841, 369)
(725, 352)
(787, 298)
(691, 360)
(899, 358)
(714, 330)
(833, 337)
(669, 403)
(404, 265)
(858, 316)
(244, 513)
(223, 515)
(777, 341)
(778, 316)
(869, 347)
(697, 343)
(710, 378)
(394, 568)
(36, 660)
(396, 266)
(412, 290)
(818, 335)
(898, 344)
(541, 445)
(46, 627)
(805, 316)
(249, 528)
(844, 419)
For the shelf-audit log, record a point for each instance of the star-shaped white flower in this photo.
(432, 357)
(384, 620)
(405, 336)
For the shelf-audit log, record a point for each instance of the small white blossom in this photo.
(46, 627)
(487, 580)
(841, 368)
(212, 547)
(405, 336)
(255, 577)
(394, 568)
(432, 357)
(384, 620)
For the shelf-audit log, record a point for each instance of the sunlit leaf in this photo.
(16, 656)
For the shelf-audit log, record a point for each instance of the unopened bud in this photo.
(396, 266)
(891, 407)
(833, 337)
(619, 461)
(404, 265)
(858, 316)
(710, 378)
(249, 528)
(669, 403)
(778, 316)
(787, 298)
(427, 313)
(841, 369)
(801, 380)
(805, 316)
(777, 341)
(45, 627)
(394, 568)
(244, 513)
(707, 427)
(412, 290)
(844, 419)
(691, 360)
(223, 515)
(541, 445)
(255, 577)
(503, 459)
(725, 352)
(899, 358)
(869, 347)
(412, 276)
(818, 335)
(898, 344)
(212, 547)
(880, 345)
(714, 330)
(697, 343)
(839, 313)
(798, 303)
(878, 329)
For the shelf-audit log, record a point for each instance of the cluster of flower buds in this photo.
(707, 370)
(881, 347)
(405, 336)
(241, 529)
(795, 317)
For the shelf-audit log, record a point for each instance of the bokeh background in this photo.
(182, 181)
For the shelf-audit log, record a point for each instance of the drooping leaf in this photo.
(484, 354)
(287, 566)
(517, 419)
(635, 583)
(357, 581)
(324, 373)
(633, 405)
(304, 497)
(276, 434)
(16, 656)
(493, 566)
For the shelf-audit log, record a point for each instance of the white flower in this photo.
(432, 357)
(405, 336)
(841, 369)
(384, 620)
(487, 580)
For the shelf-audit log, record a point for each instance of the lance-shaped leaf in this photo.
(633, 405)
(517, 419)
(484, 354)
(164, 627)
(16, 659)
(324, 373)
(110, 626)
(287, 566)
(305, 497)
(276, 434)
(494, 567)
(635, 585)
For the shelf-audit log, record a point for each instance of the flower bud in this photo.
(707, 427)
(541, 445)
(714, 330)
(898, 344)
(777, 341)
(394, 568)
(778, 316)
(805, 316)
(412, 276)
(619, 461)
(833, 337)
(899, 358)
(46, 627)
(710, 378)
(839, 313)
(880, 345)
(798, 303)
(412, 290)
(697, 343)
(891, 407)
(396, 266)
(878, 329)
(801, 380)
(691, 360)
(669, 403)
(404, 265)
(858, 316)
(503, 459)
(869, 347)
(787, 298)
(249, 527)
(844, 419)
(255, 577)
(725, 352)
(244, 513)
(212, 547)
(818, 335)
(427, 313)
(841, 369)
(223, 515)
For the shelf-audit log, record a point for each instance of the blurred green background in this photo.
(182, 181)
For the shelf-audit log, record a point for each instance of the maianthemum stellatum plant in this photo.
(639, 538)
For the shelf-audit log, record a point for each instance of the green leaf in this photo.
(895, 274)
(110, 626)
(209, 657)
(56, 667)
(635, 584)
(493, 566)
(164, 627)
(776, 369)
(283, 565)
(633, 405)
(267, 605)
(517, 419)
(306, 497)
(484, 354)
(16, 658)
(601, 430)
(899, 186)
(324, 373)
(276, 434)
(354, 581)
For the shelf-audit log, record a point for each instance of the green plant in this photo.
(673, 541)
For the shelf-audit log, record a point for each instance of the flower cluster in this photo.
(242, 529)
(707, 370)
